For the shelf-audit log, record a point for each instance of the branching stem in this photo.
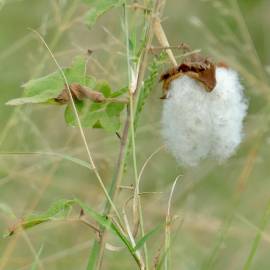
(98, 248)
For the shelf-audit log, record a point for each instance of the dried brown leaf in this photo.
(79, 92)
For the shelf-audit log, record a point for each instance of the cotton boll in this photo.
(186, 125)
(197, 124)
(227, 107)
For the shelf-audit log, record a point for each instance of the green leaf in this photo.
(93, 256)
(106, 223)
(100, 7)
(58, 210)
(91, 114)
(97, 115)
(40, 90)
(104, 88)
(141, 241)
(61, 209)
(47, 88)
(101, 220)
(148, 85)
(110, 123)
(88, 117)
(120, 92)
(114, 109)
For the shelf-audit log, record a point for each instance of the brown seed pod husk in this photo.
(79, 92)
(196, 67)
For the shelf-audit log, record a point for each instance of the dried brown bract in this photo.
(195, 66)
(79, 92)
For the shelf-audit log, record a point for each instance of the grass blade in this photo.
(148, 235)
(35, 263)
(60, 155)
(264, 222)
(168, 227)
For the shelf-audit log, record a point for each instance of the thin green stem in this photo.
(168, 224)
(95, 258)
(132, 74)
(258, 237)
(91, 160)
(137, 200)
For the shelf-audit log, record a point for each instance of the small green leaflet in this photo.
(58, 210)
(61, 209)
(45, 89)
(148, 85)
(99, 8)
(98, 115)
(142, 241)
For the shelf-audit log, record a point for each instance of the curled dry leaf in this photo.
(195, 66)
(79, 92)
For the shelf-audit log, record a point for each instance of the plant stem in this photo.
(264, 222)
(96, 256)
(95, 259)
(133, 82)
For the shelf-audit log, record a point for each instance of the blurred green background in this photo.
(220, 206)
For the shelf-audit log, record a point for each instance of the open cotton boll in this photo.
(227, 107)
(197, 124)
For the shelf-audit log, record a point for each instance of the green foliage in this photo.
(148, 85)
(109, 225)
(148, 235)
(45, 89)
(98, 115)
(59, 210)
(93, 256)
(99, 8)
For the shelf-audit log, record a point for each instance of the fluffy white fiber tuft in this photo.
(197, 124)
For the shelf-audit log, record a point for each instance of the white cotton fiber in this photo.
(197, 124)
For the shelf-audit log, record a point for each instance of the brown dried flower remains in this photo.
(79, 92)
(195, 66)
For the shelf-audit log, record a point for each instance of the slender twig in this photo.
(98, 248)
(133, 82)
(132, 239)
(91, 160)
(254, 247)
(148, 160)
(168, 226)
